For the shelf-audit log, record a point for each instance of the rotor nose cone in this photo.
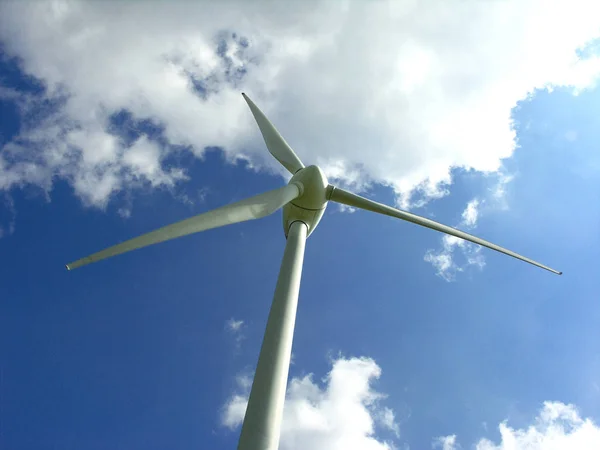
(313, 175)
(315, 184)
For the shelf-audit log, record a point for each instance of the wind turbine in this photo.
(303, 200)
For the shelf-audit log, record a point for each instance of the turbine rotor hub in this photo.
(310, 206)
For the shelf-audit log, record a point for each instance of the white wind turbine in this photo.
(303, 200)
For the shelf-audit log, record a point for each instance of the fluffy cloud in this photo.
(557, 427)
(471, 213)
(445, 442)
(391, 92)
(444, 260)
(343, 414)
(346, 411)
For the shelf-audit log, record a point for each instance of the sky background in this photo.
(118, 118)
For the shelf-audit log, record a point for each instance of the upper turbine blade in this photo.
(350, 199)
(252, 208)
(275, 143)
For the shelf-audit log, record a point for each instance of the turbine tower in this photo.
(303, 200)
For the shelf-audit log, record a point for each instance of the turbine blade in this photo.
(348, 198)
(275, 143)
(252, 208)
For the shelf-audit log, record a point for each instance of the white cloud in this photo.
(471, 213)
(444, 260)
(345, 208)
(244, 381)
(432, 85)
(342, 414)
(442, 263)
(387, 419)
(557, 427)
(125, 213)
(445, 442)
(234, 325)
(234, 411)
(498, 191)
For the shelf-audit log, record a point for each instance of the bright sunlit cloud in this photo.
(344, 413)
(557, 427)
(395, 92)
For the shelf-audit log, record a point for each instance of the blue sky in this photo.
(138, 352)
